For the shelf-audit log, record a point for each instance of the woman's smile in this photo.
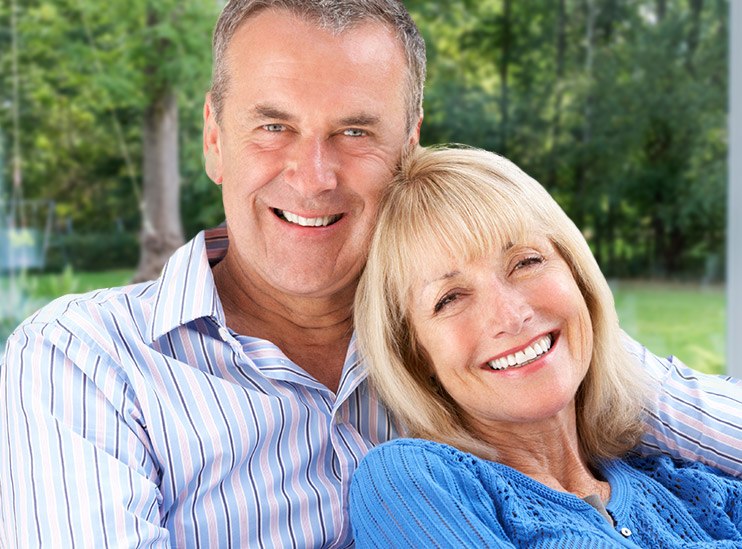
(524, 356)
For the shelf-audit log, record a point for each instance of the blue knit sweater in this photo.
(416, 493)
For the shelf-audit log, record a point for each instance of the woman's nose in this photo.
(508, 310)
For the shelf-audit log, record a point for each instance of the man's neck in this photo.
(312, 332)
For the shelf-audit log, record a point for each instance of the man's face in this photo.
(312, 127)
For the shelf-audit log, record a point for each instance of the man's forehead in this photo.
(279, 37)
(281, 19)
(279, 69)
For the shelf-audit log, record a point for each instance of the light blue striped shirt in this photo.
(133, 417)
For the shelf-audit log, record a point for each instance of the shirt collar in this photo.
(186, 290)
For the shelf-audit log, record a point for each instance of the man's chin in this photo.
(319, 281)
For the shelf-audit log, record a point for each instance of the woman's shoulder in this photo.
(410, 463)
(415, 462)
(418, 457)
(418, 446)
(423, 491)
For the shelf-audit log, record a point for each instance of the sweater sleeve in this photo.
(710, 496)
(407, 494)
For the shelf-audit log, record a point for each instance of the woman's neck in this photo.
(548, 451)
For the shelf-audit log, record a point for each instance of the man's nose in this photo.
(311, 169)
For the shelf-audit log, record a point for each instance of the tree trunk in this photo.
(694, 35)
(504, 72)
(556, 122)
(581, 207)
(161, 231)
(661, 10)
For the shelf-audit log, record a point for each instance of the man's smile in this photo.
(320, 221)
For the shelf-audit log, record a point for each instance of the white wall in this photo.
(734, 198)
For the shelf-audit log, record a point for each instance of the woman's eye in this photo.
(528, 262)
(445, 300)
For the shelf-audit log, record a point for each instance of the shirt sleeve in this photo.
(696, 416)
(75, 465)
(404, 496)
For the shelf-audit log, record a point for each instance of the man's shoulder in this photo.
(96, 300)
(106, 314)
(123, 310)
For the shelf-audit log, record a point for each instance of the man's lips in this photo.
(318, 221)
(526, 355)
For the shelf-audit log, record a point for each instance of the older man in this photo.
(223, 405)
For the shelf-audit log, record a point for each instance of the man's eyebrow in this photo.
(269, 111)
(360, 120)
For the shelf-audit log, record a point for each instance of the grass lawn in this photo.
(50, 286)
(21, 295)
(685, 320)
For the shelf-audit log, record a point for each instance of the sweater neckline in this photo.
(573, 501)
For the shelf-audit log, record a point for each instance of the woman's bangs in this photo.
(471, 225)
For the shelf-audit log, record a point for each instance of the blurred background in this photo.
(619, 107)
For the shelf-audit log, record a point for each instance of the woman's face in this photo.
(509, 336)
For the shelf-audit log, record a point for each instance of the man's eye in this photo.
(445, 300)
(354, 132)
(274, 127)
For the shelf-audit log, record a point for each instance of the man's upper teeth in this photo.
(309, 221)
(525, 356)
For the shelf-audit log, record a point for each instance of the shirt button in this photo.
(224, 334)
(625, 532)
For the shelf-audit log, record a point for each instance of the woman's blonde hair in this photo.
(468, 202)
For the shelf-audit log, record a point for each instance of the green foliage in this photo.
(619, 108)
(623, 119)
(17, 304)
(93, 251)
(87, 71)
(48, 286)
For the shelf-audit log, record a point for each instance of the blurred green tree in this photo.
(101, 86)
(618, 107)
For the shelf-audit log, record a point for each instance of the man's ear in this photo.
(415, 137)
(212, 143)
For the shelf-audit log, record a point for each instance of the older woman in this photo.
(492, 336)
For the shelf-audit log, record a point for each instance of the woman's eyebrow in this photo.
(446, 276)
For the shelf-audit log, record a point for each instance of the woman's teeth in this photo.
(521, 358)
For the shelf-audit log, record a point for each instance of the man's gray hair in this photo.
(335, 16)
